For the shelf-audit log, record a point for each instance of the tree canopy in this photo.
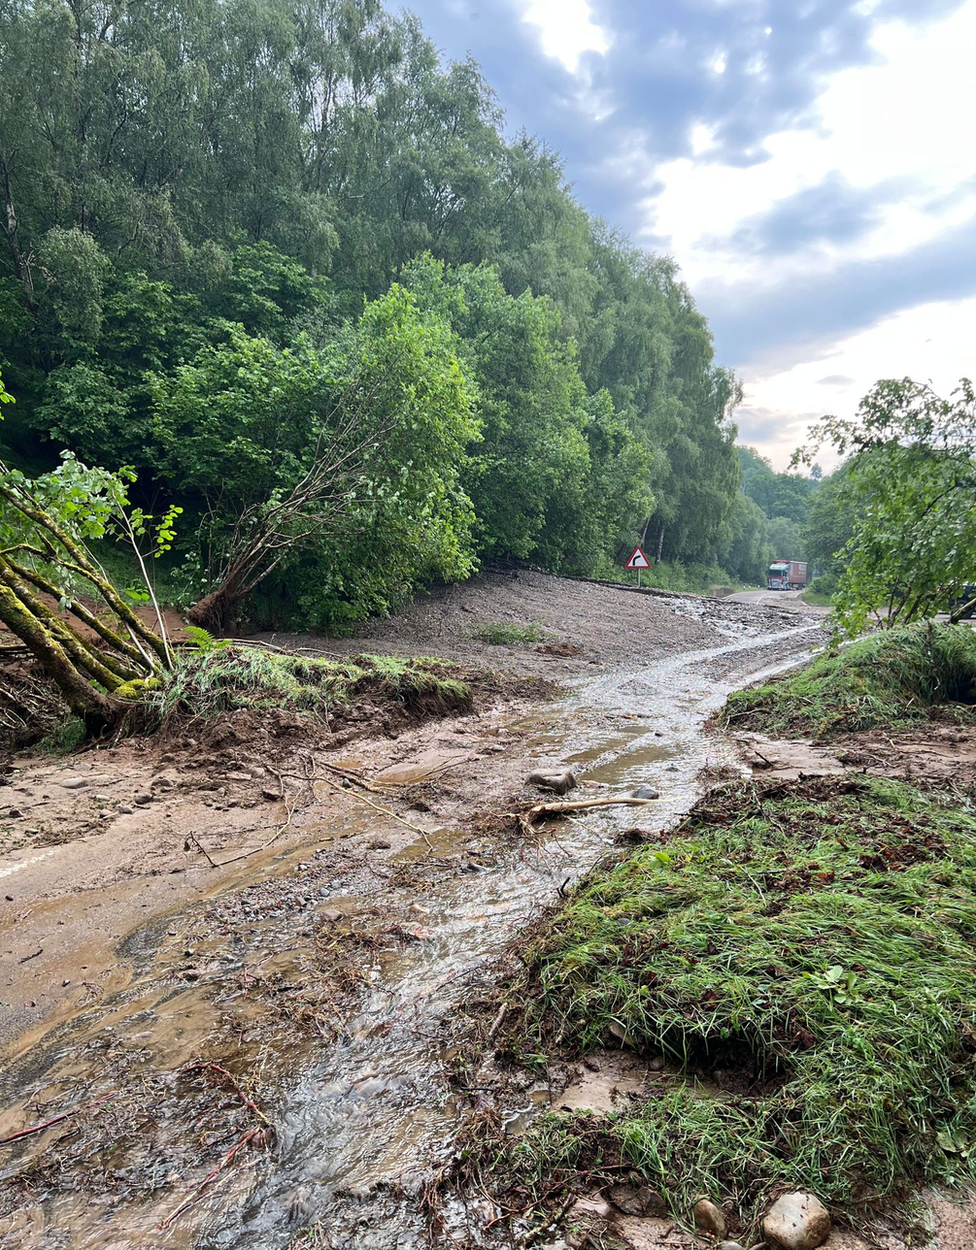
(215, 216)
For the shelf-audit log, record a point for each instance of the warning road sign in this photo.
(638, 560)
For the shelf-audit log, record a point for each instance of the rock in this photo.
(796, 1221)
(103, 798)
(142, 798)
(126, 809)
(709, 1218)
(637, 1200)
(561, 783)
(379, 844)
(271, 792)
(15, 813)
(237, 777)
(645, 792)
(330, 914)
(74, 783)
(729, 1245)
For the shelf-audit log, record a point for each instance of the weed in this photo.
(64, 738)
(817, 938)
(892, 678)
(505, 634)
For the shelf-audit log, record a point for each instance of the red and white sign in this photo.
(638, 560)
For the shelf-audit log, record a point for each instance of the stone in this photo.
(796, 1221)
(126, 809)
(561, 783)
(730, 1245)
(637, 1200)
(143, 798)
(74, 783)
(330, 915)
(379, 844)
(271, 792)
(645, 792)
(709, 1218)
(238, 777)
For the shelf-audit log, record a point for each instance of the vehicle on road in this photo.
(786, 575)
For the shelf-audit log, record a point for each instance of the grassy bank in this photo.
(897, 677)
(810, 946)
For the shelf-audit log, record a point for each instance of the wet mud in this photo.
(268, 1066)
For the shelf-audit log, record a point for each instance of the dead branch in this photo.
(542, 810)
(38, 1128)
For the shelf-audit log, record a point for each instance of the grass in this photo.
(817, 938)
(223, 679)
(897, 677)
(507, 633)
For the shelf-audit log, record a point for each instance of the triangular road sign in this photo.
(638, 560)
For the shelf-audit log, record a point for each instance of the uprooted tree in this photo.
(909, 490)
(57, 599)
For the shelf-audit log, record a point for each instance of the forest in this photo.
(291, 274)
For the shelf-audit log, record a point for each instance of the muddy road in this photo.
(265, 1063)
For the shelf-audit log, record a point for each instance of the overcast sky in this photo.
(810, 164)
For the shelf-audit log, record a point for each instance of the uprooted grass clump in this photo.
(507, 633)
(815, 942)
(898, 677)
(225, 679)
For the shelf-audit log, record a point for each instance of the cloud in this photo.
(835, 379)
(567, 30)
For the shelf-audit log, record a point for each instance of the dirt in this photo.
(301, 907)
(582, 625)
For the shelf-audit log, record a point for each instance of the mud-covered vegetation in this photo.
(898, 677)
(804, 948)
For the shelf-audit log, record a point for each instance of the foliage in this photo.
(897, 677)
(505, 634)
(213, 217)
(814, 939)
(909, 488)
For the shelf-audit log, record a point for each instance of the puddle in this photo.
(371, 1109)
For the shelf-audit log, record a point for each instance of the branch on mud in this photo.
(565, 808)
(38, 1128)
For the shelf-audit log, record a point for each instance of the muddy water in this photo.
(376, 1113)
(373, 1111)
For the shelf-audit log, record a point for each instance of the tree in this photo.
(98, 659)
(910, 486)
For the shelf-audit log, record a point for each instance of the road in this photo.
(777, 598)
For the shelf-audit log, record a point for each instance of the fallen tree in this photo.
(57, 599)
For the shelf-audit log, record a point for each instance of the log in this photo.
(541, 810)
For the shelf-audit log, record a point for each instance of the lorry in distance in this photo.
(786, 575)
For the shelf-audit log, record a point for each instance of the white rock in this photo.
(73, 783)
(797, 1221)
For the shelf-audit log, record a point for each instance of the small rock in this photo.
(15, 813)
(103, 798)
(797, 1221)
(163, 783)
(74, 783)
(729, 1245)
(645, 792)
(561, 783)
(330, 914)
(379, 844)
(237, 777)
(637, 1200)
(709, 1218)
(143, 798)
(270, 792)
(656, 1064)
(126, 809)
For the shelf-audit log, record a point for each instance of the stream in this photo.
(377, 1111)
(363, 1123)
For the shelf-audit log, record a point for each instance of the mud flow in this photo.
(355, 1116)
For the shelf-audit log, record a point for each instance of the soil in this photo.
(227, 956)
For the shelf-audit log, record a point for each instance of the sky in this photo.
(810, 165)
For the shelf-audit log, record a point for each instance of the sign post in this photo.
(638, 561)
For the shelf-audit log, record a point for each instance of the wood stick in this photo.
(541, 810)
(37, 1128)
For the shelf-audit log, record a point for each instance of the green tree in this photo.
(910, 486)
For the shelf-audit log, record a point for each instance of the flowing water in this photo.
(363, 1122)
(377, 1112)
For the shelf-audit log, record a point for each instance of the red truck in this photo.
(786, 575)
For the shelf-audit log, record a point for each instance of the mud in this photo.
(311, 944)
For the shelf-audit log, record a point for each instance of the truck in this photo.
(786, 575)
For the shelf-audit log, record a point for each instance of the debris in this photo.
(561, 783)
(633, 1199)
